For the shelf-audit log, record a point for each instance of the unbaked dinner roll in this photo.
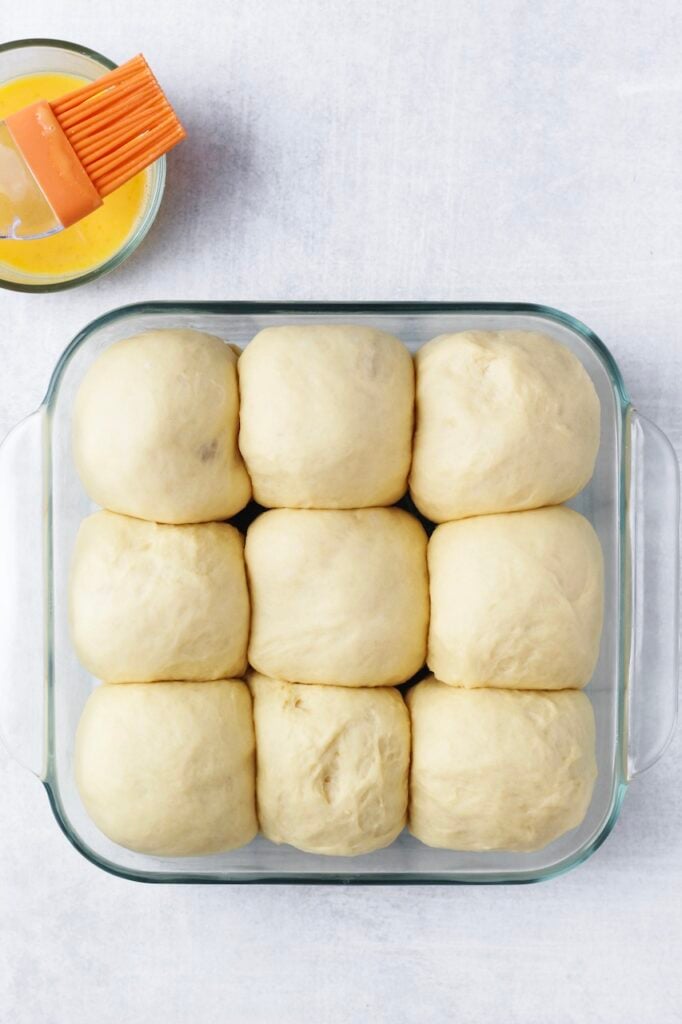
(516, 600)
(506, 420)
(338, 597)
(150, 601)
(169, 769)
(326, 416)
(498, 769)
(332, 765)
(155, 428)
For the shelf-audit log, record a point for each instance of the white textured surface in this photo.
(354, 149)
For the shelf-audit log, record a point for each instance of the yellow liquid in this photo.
(94, 239)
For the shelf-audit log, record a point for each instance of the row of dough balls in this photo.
(339, 597)
(173, 427)
(178, 769)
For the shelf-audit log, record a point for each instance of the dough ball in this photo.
(332, 765)
(326, 416)
(338, 597)
(155, 429)
(150, 601)
(516, 600)
(169, 769)
(506, 420)
(498, 769)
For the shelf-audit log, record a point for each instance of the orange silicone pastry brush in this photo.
(59, 160)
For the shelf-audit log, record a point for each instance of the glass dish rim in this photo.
(153, 204)
(248, 307)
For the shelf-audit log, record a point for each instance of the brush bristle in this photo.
(119, 124)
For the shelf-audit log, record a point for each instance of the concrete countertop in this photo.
(343, 149)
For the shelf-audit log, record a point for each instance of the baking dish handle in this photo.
(653, 510)
(22, 593)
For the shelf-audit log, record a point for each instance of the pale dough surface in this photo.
(338, 597)
(155, 428)
(169, 769)
(150, 601)
(506, 420)
(516, 600)
(332, 765)
(498, 769)
(326, 416)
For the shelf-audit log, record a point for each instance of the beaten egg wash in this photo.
(94, 239)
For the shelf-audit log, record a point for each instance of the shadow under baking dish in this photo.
(406, 860)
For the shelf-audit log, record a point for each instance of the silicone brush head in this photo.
(85, 145)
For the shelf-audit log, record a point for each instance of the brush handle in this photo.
(24, 211)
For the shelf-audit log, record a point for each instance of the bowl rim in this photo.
(156, 189)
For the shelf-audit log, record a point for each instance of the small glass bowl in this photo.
(33, 56)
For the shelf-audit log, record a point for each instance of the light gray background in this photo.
(375, 150)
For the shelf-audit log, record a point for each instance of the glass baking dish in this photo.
(633, 502)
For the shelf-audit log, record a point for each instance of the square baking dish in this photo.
(632, 501)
